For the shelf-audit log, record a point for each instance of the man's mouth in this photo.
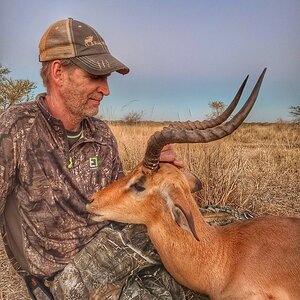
(97, 100)
(94, 102)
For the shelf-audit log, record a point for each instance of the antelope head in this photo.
(136, 198)
(160, 190)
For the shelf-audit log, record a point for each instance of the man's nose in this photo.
(103, 87)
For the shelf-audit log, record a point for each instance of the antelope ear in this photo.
(184, 220)
(194, 182)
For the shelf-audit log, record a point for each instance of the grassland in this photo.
(256, 169)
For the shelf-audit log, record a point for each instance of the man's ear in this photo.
(193, 181)
(56, 72)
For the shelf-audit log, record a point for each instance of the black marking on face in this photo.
(138, 186)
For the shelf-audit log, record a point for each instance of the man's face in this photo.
(83, 92)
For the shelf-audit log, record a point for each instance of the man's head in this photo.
(74, 40)
(75, 66)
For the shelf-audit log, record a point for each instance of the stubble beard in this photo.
(77, 105)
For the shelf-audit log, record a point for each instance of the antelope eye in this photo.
(138, 187)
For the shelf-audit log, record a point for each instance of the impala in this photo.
(251, 259)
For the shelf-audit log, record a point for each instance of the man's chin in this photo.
(92, 111)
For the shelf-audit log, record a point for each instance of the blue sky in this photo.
(182, 54)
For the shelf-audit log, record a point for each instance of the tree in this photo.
(217, 108)
(133, 117)
(13, 91)
(3, 71)
(295, 112)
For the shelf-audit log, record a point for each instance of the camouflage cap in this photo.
(82, 45)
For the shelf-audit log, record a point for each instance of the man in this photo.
(54, 156)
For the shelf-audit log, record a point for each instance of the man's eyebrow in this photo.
(98, 76)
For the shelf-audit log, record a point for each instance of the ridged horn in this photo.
(170, 135)
(191, 125)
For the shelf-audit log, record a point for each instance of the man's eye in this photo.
(95, 77)
(99, 77)
(138, 187)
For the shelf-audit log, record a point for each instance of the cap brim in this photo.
(100, 64)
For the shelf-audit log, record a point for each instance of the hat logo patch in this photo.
(89, 41)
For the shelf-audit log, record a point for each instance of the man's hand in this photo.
(168, 155)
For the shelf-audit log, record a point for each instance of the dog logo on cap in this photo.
(89, 41)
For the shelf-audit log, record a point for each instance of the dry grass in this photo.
(256, 168)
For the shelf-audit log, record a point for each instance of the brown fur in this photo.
(253, 259)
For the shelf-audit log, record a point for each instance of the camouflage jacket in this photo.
(45, 185)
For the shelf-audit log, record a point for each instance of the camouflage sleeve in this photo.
(8, 159)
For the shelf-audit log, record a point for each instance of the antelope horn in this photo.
(171, 135)
(191, 125)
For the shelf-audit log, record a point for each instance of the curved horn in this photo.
(171, 135)
(191, 125)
